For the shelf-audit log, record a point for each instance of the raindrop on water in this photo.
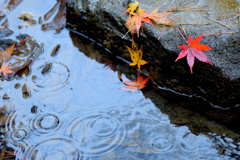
(162, 143)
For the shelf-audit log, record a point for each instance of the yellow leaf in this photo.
(136, 55)
(132, 7)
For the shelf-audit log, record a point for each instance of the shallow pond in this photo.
(77, 109)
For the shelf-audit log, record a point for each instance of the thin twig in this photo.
(238, 19)
(182, 35)
(218, 22)
(180, 20)
(239, 23)
(238, 15)
(125, 35)
(227, 16)
(187, 9)
(190, 24)
(220, 33)
(161, 33)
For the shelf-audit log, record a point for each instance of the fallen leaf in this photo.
(59, 21)
(136, 55)
(135, 21)
(194, 50)
(139, 83)
(5, 55)
(4, 69)
(138, 16)
(160, 18)
(28, 18)
(132, 7)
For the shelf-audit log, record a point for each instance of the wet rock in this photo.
(219, 85)
(213, 91)
(5, 32)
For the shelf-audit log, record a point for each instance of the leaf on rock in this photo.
(161, 17)
(136, 55)
(194, 50)
(138, 16)
(137, 84)
(132, 7)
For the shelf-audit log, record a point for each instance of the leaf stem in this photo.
(182, 35)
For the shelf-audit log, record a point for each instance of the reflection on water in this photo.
(78, 111)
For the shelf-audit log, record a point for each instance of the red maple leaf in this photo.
(139, 83)
(4, 69)
(194, 50)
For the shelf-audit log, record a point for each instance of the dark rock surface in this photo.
(217, 85)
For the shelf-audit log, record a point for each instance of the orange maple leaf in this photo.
(160, 18)
(4, 69)
(5, 55)
(136, 55)
(135, 21)
(137, 84)
(138, 16)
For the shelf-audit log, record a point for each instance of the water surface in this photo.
(77, 110)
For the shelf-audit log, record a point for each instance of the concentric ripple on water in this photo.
(54, 149)
(56, 80)
(162, 143)
(16, 132)
(45, 124)
(97, 134)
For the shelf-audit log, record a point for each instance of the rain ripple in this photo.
(45, 124)
(162, 143)
(54, 149)
(15, 132)
(97, 134)
(56, 80)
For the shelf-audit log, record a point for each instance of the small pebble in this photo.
(55, 50)
(17, 85)
(34, 109)
(47, 68)
(26, 93)
(5, 96)
(40, 20)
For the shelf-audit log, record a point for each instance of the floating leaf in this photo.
(139, 83)
(5, 55)
(5, 69)
(136, 55)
